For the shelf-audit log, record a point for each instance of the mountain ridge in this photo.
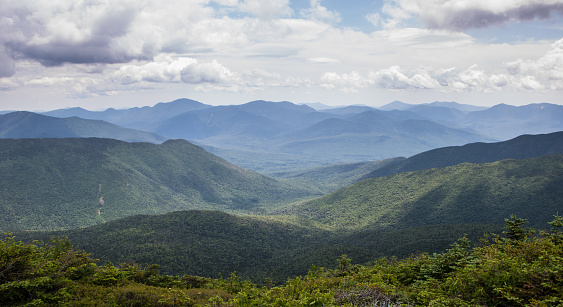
(22, 124)
(76, 182)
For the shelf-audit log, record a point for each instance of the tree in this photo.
(513, 228)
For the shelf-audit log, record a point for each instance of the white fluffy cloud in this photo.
(545, 73)
(319, 12)
(464, 14)
(266, 9)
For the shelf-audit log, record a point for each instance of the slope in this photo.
(70, 183)
(32, 125)
(464, 193)
(213, 243)
(522, 147)
(330, 178)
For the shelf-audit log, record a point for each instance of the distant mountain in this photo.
(439, 114)
(32, 125)
(349, 110)
(504, 122)
(461, 194)
(138, 118)
(319, 106)
(76, 182)
(274, 136)
(233, 125)
(224, 121)
(457, 106)
(372, 135)
(396, 105)
(522, 147)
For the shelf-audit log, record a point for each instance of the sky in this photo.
(98, 54)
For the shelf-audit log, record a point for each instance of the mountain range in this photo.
(32, 125)
(75, 182)
(423, 211)
(282, 136)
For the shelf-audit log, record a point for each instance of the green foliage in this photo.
(513, 229)
(521, 271)
(464, 193)
(41, 272)
(50, 184)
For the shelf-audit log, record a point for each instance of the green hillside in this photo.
(522, 147)
(465, 193)
(213, 243)
(70, 183)
(518, 268)
(390, 216)
(330, 178)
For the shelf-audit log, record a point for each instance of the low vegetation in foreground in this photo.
(521, 267)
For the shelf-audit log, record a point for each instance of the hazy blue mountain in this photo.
(143, 118)
(457, 106)
(522, 147)
(32, 125)
(439, 114)
(349, 110)
(225, 121)
(372, 135)
(396, 105)
(273, 136)
(320, 106)
(504, 121)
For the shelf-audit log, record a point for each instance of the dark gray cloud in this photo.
(7, 65)
(99, 47)
(482, 18)
(27, 37)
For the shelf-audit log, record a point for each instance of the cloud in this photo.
(164, 69)
(543, 74)
(7, 84)
(319, 12)
(266, 9)
(213, 72)
(7, 65)
(464, 14)
(67, 33)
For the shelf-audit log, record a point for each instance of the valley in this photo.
(361, 182)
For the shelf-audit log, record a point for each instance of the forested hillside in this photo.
(522, 147)
(521, 267)
(389, 216)
(464, 193)
(69, 183)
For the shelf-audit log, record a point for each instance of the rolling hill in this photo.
(422, 211)
(330, 178)
(464, 193)
(31, 125)
(76, 182)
